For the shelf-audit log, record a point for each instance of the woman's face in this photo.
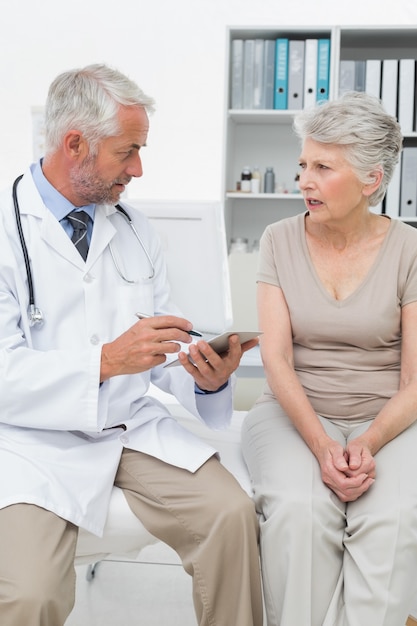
(330, 187)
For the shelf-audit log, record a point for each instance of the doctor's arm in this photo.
(213, 380)
(146, 344)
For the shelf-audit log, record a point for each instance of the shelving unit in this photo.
(262, 138)
(380, 43)
(265, 137)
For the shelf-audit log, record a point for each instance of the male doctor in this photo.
(74, 415)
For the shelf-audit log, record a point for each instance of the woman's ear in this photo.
(376, 178)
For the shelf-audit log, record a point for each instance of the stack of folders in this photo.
(393, 81)
(279, 73)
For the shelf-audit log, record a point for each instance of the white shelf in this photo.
(261, 116)
(242, 195)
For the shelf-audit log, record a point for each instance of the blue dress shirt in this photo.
(57, 203)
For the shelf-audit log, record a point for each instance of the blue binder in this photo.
(281, 74)
(323, 69)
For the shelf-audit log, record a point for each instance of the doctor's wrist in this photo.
(204, 392)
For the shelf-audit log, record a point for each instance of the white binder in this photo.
(258, 74)
(406, 87)
(310, 72)
(373, 77)
(408, 201)
(392, 196)
(237, 74)
(296, 73)
(389, 87)
(269, 74)
(248, 72)
(346, 76)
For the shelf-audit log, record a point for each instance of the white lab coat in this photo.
(55, 450)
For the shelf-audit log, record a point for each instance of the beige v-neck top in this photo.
(346, 352)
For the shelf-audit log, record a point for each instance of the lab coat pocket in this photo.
(134, 298)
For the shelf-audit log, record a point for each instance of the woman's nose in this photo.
(302, 179)
(305, 179)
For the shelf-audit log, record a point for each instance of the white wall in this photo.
(174, 49)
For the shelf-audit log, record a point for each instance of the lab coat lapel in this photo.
(55, 236)
(103, 233)
(39, 217)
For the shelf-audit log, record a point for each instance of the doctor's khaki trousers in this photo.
(324, 562)
(205, 516)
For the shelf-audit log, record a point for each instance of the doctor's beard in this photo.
(88, 185)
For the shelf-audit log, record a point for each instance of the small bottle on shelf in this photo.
(239, 244)
(256, 180)
(269, 180)
(296, 188)
(245, 179)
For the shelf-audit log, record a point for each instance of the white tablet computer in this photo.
(221, 342)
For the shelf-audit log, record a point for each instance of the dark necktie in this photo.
(79, 221)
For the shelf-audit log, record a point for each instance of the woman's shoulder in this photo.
(401, 244)
(287, 225)
(403, 231)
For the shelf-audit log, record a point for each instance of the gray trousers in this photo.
(206, 517)
(324, 562)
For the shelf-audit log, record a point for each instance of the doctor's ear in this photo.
(75, 145)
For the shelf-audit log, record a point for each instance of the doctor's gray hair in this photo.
(358, 122)
(88, 100)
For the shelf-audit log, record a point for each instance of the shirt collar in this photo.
(52, 198)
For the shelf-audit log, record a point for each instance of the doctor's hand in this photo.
(211, 370)
(144, 345)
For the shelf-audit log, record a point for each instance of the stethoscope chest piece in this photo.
(35, 316)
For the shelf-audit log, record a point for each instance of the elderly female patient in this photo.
(332, 443)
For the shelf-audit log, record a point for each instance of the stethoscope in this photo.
(35, 314)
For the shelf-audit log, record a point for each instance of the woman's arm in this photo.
(401, 410)
(277, 356)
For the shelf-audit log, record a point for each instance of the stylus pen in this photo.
(143, 316)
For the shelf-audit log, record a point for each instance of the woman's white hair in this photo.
(371, 138)
(88, 100)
